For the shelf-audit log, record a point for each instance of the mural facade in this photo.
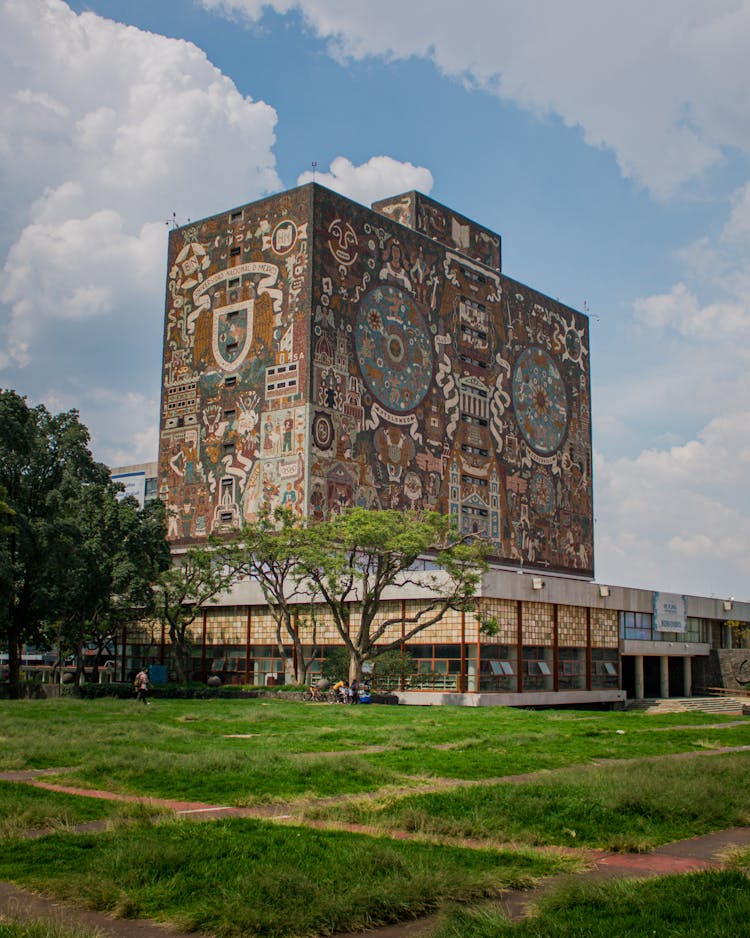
(410, 374)
(234, 413)
(444, 225)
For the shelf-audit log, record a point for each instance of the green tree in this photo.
(269, 551)
(44, 463)
(358, 556)
(392, 667)
(336, 664)
(194, 579)
(116, 553)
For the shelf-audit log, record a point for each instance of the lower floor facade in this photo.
(553, 641)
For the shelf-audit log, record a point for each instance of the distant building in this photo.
(140, 481)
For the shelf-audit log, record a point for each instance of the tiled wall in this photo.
(439, 383)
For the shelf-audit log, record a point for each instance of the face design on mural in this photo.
(575, 348)
(342, 242)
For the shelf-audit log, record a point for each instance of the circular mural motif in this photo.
(393, 348)
(284, 237)
(540, 401)
(322, 431)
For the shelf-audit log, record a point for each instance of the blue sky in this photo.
(607, 143)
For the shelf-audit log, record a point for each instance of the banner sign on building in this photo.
(135, 485)
(670, 612)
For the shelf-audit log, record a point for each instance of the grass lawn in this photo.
(699, 905)
(240, 752)
(244, 877)
(632, 808)
(13, 928)
(23, 808)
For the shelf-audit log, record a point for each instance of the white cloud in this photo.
(105, 131)
(674, 513)
(80, 269)
(662, 85)
(379, 177)
(684, 510)
(679, 309)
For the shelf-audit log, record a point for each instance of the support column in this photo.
(462, 683)
(588, 649)
(519, 644)
(555, 650)
(664, 676)
(248, 638)
(402, 646)
(204, 675)
(638, 677)
(687, 671)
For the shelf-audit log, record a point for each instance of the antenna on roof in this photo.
(588, 313)
(314, 165)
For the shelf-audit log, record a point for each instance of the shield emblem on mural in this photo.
(232, 334)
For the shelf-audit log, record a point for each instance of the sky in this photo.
(608, 143)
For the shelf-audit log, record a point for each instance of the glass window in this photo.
(604, 668)
(636, 626)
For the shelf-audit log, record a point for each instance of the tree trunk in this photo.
(14, 666)
(179, 652)
(355, 667)
(180, 662)
(80, 675)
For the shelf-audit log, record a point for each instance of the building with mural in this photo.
(320, 355)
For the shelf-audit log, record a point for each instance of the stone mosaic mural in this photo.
(408, 375)
(440, 383)
(234, 417)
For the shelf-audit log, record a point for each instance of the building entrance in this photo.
(652, 676)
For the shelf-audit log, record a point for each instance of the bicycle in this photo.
(315, 695)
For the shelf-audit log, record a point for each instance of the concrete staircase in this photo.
(682, 704)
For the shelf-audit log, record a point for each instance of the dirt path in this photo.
(685, 856)
(23, 905)
(296, 809)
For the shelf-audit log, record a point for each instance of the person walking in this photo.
(141, 686)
